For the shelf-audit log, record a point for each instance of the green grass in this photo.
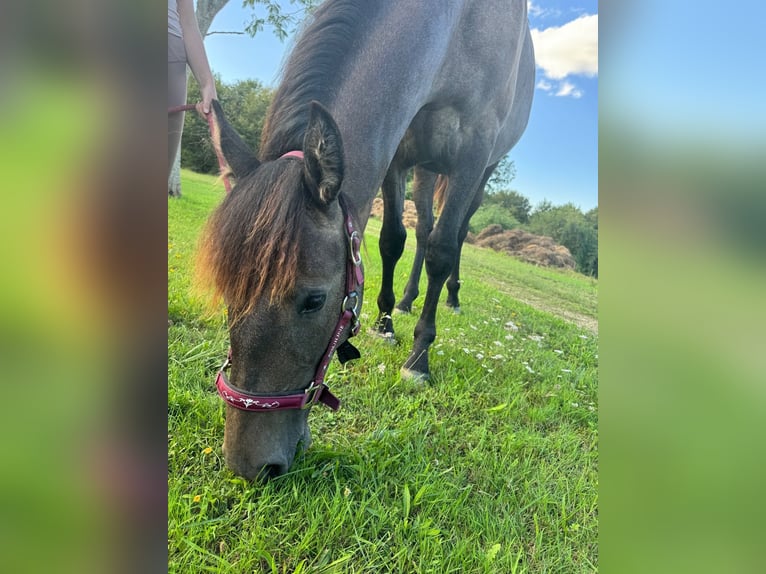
(492, 467)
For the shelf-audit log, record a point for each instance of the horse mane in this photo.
(247, 249)
(310, 73)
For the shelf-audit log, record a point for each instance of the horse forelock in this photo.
(248, 249)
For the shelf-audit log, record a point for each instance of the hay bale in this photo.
(409, 215)
(535, 249)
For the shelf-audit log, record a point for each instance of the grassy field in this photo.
(492, 467)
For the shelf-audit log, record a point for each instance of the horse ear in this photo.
(322, 155)
(237, 153)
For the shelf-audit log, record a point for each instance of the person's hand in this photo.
(208, 95)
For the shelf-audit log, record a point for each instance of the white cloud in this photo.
(545, 85)
(568, 89)
(565, 51)
(536, 11)
(571, 49)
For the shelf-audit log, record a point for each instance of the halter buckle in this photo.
(355, 242)
(311, 394)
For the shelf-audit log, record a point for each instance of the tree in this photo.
(512, 201)
(282, 23)
(502, 177)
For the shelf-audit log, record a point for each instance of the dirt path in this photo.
(582, 321)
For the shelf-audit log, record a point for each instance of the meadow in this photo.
(490, 467)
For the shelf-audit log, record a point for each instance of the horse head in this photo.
(277, 252)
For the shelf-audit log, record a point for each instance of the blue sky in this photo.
(556, 159)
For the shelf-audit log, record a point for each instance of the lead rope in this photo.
(212, 127)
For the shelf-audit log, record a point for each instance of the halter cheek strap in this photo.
(317, 391)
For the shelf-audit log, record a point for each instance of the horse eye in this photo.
(313, 302)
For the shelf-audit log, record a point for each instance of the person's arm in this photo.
(195, 53)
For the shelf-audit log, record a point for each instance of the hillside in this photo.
(490, 467)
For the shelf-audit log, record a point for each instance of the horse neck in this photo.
(374, 104)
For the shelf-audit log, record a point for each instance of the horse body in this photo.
(369, 87)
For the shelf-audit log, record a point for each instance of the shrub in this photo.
(491, 214)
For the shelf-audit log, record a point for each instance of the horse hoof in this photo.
(456, 310)
(413, 376)
(400, 311)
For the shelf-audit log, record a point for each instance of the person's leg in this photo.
(176, 94)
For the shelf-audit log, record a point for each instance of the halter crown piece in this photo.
(317, 391)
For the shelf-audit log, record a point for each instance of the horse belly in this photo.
(432, 139)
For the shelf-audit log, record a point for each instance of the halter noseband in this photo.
(317, 391)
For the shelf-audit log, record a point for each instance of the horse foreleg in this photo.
(422, 195)
(391, 244)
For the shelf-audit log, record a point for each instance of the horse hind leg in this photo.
(441, 252)
(391, 245)
(422, 194)
(453, 282)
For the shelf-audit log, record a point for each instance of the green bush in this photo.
(490, 214)
(510, 200)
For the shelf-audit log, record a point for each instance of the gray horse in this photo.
(369, 88)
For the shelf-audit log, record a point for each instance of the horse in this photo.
(368, 86)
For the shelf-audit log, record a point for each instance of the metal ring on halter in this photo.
(354, 296)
